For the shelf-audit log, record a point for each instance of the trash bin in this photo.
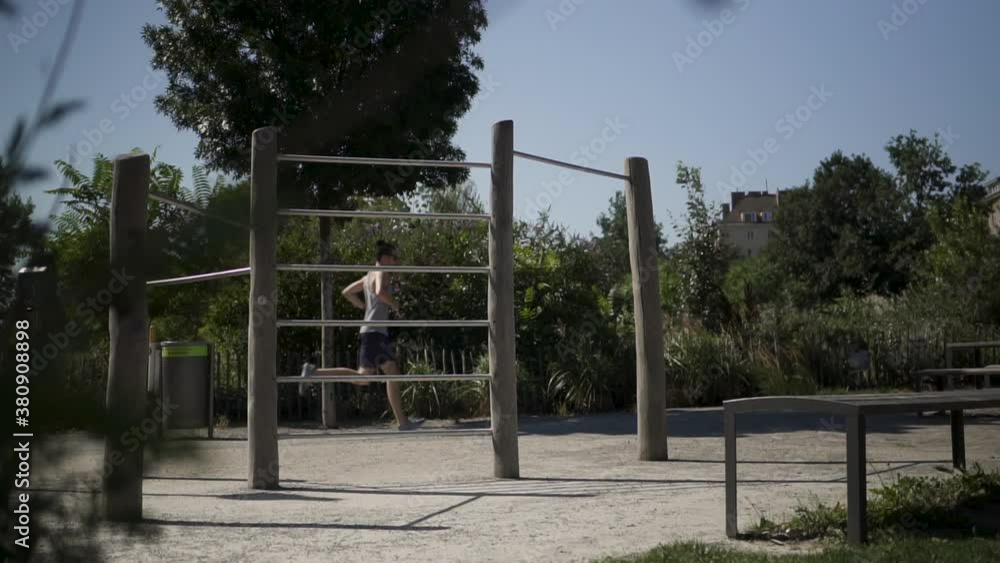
(184, 378)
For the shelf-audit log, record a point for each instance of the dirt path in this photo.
(432, 498)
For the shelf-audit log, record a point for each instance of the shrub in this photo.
(706, 368)
(911, 506)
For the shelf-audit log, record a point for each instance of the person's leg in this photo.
(393, 391)
(309, 370)
(336, 371)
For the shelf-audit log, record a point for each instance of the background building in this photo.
(747, 222)
(993, 199)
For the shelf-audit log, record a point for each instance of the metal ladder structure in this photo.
(129, 347)
(263, 380)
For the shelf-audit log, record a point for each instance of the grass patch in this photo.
(962, 505)
(911, 550)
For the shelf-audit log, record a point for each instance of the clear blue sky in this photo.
(561, 78)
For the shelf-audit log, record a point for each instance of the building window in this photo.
(749, 252)
(749, 235)
(768, 216)
(749, 217)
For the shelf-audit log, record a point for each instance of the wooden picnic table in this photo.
(856, 409)
(947, 376)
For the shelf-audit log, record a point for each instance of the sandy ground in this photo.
(432, 498)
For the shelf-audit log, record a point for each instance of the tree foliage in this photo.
(702, 256)
(847, 231)
(339, 77)
(856, 229)
(611, 241)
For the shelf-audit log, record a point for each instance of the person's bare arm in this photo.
(382, 291)
(351, 293)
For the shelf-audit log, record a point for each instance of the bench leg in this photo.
(729, 424)
(857, 481)
(958, 439)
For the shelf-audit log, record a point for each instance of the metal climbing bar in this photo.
(381, 161)
(195, 209)
(384, 378)
(397, 269)
(383, 214)
(399, 323)
(200, 277)
(554, 162)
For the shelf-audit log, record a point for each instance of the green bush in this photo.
(706, 368)
(912, 506)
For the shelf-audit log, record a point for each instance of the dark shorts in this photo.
(376, 349)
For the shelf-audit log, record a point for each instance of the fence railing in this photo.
(302, 402)
(891, 359)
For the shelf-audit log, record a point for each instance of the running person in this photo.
(376, 355)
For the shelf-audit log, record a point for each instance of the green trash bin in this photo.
(184, 381)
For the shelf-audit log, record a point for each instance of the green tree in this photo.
(964, 260)
(847, 232)
(611, 242)
(17, 237)
(703, 257)
(927, 175)
(179, 242)
(379, 78)
(752, 283)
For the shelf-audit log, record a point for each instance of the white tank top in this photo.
(375, 308)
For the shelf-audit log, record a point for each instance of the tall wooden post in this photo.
(128, 323)
(503, 386)
(651, 383)
(328, 403)
(262, 391)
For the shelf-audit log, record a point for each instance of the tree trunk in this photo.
(327, 397)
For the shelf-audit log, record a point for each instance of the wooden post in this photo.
(958, 439)
(651, 382)
(211, 391)
(503, 386)
(857, 481)
(328, 403)
(128, 324)
(262, 390)
(729, 432)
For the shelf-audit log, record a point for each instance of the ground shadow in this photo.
(228, 479)
(245, 496)
(486, 491)
(294, 525)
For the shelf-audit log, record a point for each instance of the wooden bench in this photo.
(855, 408)
(977, 355)
(945, 377)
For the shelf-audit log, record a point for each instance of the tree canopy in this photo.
(338, 77)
